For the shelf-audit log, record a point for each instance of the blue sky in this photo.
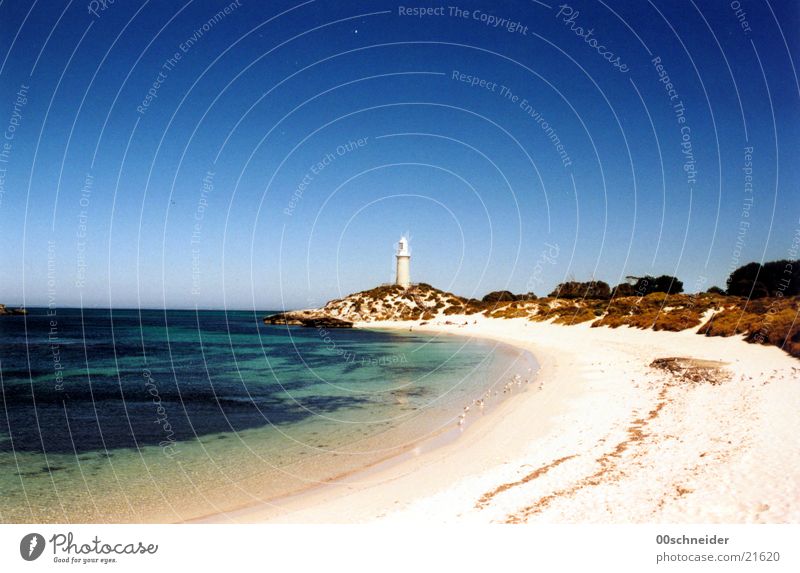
(189, 196)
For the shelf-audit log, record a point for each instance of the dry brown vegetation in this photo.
(771, 321)
(660, 311)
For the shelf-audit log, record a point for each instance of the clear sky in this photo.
(269, 154)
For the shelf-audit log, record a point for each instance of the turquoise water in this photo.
(164, 416)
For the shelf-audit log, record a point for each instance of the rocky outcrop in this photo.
(388, 302)
(10, 311)
(310, 318)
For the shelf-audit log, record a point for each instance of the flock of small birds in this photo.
(515, 381)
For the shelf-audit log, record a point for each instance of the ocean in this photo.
(163, 416)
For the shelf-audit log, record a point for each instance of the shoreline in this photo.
(608, 439)
(395, 464)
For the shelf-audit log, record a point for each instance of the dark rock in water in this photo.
(328, 322)
(6, 310)
(286, 318)
(312, 319)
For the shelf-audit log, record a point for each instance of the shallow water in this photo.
(131, 415)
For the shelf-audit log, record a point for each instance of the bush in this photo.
(623, 289)
(776, 278)
(507, 296)
(658, 311)
(499, 296)
(716, 290)
(507, 311)
(649, 284)
(770, 321)
(590, 289)
(575, 315)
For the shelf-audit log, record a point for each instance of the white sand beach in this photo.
(607, 439)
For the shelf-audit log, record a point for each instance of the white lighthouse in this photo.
(403, 263)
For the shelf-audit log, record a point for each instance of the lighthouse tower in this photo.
(403, 263)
